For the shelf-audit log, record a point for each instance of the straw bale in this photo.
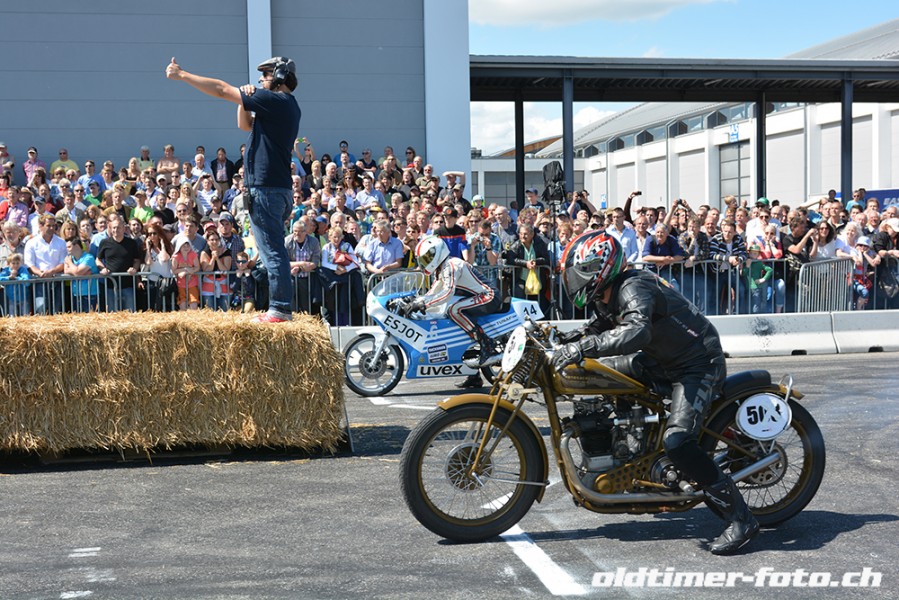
(157, 380)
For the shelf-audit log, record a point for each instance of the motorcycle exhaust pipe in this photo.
(595, 497)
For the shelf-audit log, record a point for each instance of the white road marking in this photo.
(83, 552)
(412, 406)
(68, 595)
(555, 578)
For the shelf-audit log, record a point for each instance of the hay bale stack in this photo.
(158, 380)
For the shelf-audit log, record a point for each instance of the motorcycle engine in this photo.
(605, 444)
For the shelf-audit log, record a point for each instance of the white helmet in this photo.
(431, 252)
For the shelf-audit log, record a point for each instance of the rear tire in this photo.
(450, 502)
(781, 491)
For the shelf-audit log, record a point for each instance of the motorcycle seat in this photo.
(738, 383)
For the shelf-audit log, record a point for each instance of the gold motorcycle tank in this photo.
(594, 378)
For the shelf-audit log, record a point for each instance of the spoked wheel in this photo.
(782, 490)
(459, 502)
(368, 375)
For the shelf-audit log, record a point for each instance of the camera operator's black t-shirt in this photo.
(267, 157)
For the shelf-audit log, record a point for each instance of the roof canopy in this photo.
(540, 78)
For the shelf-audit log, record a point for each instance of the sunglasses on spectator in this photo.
(241, 262)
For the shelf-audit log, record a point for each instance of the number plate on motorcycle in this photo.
(764, 416)
(514, 348)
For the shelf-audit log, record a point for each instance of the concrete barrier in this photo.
(866, 331)
(776, 335)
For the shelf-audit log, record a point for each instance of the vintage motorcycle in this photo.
(473, 468)
(434, 347)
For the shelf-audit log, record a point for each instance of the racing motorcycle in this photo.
(434, 347)
(473, 468)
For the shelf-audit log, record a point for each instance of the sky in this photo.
(644, 28)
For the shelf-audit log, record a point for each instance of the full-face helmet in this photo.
(430, 253)
(590, 263)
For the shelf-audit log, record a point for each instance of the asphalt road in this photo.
(277, 526)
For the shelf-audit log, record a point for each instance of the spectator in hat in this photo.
(321, 230)
(532, 199)
(31, 165)
(454, 235)
(231, 240)
(94, 193)
(864, 260)
(345, 147)
(63, 162)
(39, 204)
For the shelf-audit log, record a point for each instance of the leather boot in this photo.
(488, 353)
(743, 526)
(472, 381)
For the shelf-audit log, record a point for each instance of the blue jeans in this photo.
(120, 299)
(269, 208)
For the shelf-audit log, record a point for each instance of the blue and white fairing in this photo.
(434, 345)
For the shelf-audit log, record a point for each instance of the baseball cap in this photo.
(226, 216)
(477, 199)
(450, 212)
(321, 219)
(893, 223)
(376, 209)
(762, 202)
(144, 148)
(863, 241)
(531, 190)
(2, 144)
(457, 187)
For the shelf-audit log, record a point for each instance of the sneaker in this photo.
(268, 318)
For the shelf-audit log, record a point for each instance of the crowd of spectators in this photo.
(175, 234)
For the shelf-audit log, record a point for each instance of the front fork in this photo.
(379, 349)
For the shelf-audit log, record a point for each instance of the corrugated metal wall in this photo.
(91, 76)
(361, 71)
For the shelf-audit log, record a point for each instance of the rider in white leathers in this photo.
(455, 277)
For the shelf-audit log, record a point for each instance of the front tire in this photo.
(369, 377)
(781, 491)
(465, 507)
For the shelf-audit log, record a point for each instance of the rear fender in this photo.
(488, 400)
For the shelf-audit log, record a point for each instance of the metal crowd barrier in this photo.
(818, 286)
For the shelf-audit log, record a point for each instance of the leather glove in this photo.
(417, 305)
(568, 354)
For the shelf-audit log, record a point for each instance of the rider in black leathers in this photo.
(638, 311)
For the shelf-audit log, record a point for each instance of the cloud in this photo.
(493, 123)
(653, 52)
(514, 13)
